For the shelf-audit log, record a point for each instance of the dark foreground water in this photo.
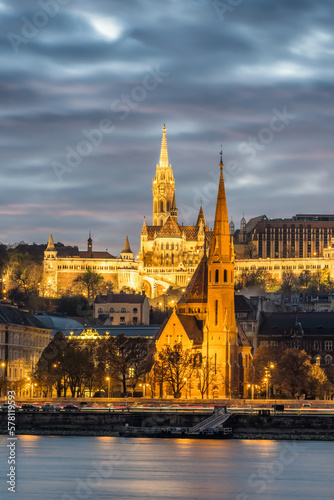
(120, 468)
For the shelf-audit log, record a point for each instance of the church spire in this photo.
(163, 153)
(163, 186)
(220, 246)
(51, 245)
(127, 253)
(126, 248)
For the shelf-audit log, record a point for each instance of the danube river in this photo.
(70, 468)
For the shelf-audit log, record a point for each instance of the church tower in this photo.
(50, 266)
(163, 187)
(220, 332)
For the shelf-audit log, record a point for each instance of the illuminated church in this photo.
(170, 250)
(204, 321)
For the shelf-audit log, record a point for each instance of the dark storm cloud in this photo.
(225, 77)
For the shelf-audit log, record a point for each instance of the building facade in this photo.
(303, 236)
(61, 268)
(23, 339)
(122, 309)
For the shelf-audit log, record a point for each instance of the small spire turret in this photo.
(50, 245)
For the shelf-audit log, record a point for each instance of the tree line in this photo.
(305, 281)
(289, 372)
(116, 365)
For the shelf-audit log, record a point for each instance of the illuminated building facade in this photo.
(205, 317)
(23, 339)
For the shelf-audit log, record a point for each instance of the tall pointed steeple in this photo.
(163, 153)
(220, 246)
(221, 338)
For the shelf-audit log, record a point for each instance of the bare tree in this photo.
(178, 366)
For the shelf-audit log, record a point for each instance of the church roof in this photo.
(193, 328)
(95, 255)
(170, 228)
(12, 316)
(190, 232)
(242, 337)
(151, 231)
(197, 289)
(120, 298)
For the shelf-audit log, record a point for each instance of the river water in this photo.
(71, 468)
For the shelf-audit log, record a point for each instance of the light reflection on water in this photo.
(71, 468)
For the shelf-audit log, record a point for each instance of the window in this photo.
(111, 310)
(216, 312)
(100, 310)
(216, 276)
(328, 359)
(135, 320)
(317, 345)
(131, 372)
(123, 310)
(225, 276)
(122, 319)
(328, 345)
(264, 343)
(241, 315)
(111, 319)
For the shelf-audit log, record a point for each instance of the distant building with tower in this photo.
(169, 251)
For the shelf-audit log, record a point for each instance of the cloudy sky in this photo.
(86, 87)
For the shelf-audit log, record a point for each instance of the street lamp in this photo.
(186, 381)
(108, 379)
(267, 387)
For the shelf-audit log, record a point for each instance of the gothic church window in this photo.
(216, 276)
(216, 312)
(225, 276)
